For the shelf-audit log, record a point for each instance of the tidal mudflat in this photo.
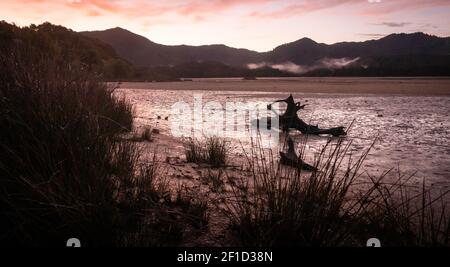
(408, 117)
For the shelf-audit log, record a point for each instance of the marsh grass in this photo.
(63, 170)
(277, 205)
(215, 180)
(59, 157)
(149, 215)
(194, 206)
(213, 151)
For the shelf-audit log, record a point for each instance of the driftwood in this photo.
(292, 159)
(290, 120)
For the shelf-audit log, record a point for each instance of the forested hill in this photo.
(66, 45)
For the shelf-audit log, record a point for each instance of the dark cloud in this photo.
(393, 24)
(372, 35)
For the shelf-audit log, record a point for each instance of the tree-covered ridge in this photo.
(66, 45)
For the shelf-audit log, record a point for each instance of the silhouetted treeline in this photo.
(63, 44)
(423, 65)
(207, 69)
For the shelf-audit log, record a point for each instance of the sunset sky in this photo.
(254, 24)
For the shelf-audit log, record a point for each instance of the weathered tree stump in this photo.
(290, 120)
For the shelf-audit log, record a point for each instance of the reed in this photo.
(336, 205)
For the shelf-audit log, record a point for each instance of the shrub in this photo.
(213, 151)
(59, 160)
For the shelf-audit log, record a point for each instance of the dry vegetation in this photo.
(212, 151)
(282, 206)
(63, 170)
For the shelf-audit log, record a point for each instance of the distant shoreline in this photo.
(416, 86)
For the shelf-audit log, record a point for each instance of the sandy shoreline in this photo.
(378, 86)
(178, 173)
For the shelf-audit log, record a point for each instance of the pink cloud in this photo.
(202, 7)
(128, 8)
(144, 8)
(392, 6)
(201, 10)
(362, 7)
(100, 4)
(303, 7)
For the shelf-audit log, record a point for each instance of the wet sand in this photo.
(386, 86)
(411, 129)
(409, 117)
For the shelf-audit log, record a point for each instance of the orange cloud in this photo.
(100, 4)
(93, 13)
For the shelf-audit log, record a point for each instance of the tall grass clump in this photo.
(60, 163)
(276, 205)
(213, 151)
(144, 135)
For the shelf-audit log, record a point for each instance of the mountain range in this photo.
(144, 53)
(118, 54)
(395, 54)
